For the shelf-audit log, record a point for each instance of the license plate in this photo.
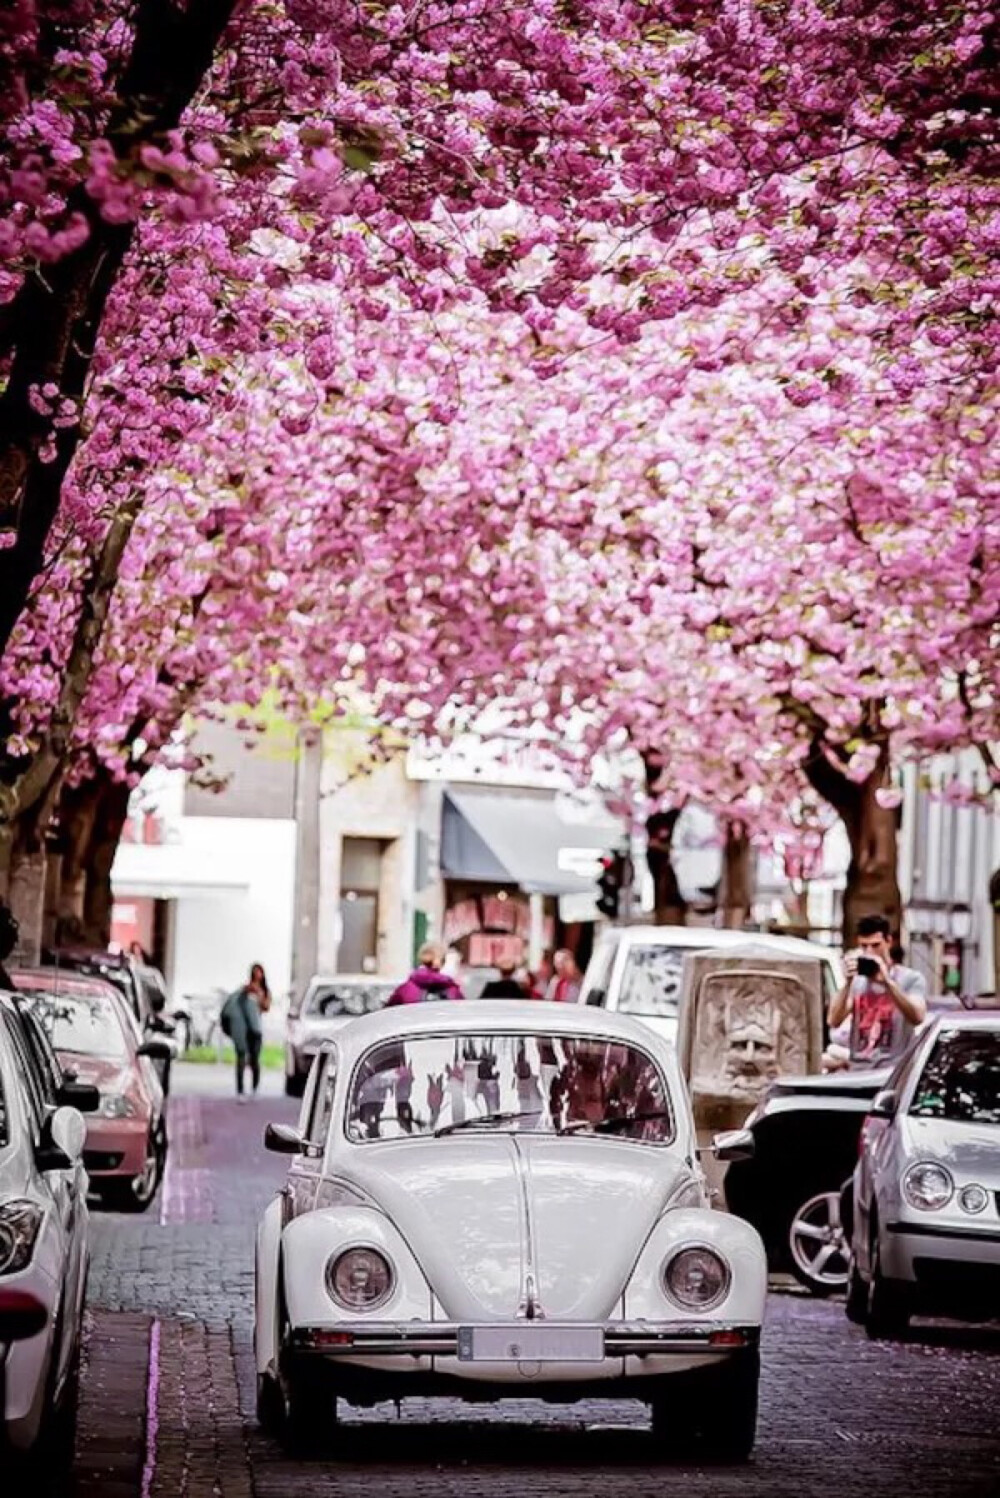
(530, 1343)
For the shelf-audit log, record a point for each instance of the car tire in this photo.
(711, 1416)
(60, 1438)
(310, 1413)
(270, 1406)
(856, 1304)
(817, 1248)
(887, 1314)
(295, 1085)
(138, 1194)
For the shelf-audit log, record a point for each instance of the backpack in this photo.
(226, 1019)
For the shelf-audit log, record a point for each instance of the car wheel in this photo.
(295, 1085)
(711, 1416)
(856, 1304)
(60, 1439)
(137, 1195)
(817, 1246)
(270, 1405)
(888, 1312)
(310, 1412)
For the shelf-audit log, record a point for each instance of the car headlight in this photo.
(696, 1278)
(928, 1187)
(19, 1224)
(360, 1279)
(973, 1198)
(114, 1105)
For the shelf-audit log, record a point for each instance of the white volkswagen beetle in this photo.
(504, 1200)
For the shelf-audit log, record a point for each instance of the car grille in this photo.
(102, 1159)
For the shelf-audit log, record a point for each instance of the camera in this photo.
(867, 967)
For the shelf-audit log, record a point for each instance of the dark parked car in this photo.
(806, 1133)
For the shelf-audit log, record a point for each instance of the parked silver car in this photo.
(43, 1247)
(325, 1007)
(926, 1189)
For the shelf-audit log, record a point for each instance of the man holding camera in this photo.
(884, 999)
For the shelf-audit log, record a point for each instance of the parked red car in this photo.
(97, 1039)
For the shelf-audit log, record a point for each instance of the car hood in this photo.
(97, 1071)
(970, 1150)
(480, 1213)
(320, 1024)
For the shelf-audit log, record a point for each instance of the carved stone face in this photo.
(747, 1033)
(751, 1056)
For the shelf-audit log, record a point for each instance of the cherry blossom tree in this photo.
(188, 189)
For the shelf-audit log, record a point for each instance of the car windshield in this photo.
(331, 999)
(652, 980)
(434, 1084)
(961, 1080)
(86, 1025)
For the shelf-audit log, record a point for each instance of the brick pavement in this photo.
(840, 1415)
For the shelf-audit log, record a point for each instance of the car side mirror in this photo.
(734, 1144)
(282, 1139)
(63, 1135)
(884, 1104)
(156, 1050)
(83, 1096)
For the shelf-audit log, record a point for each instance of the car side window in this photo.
(901, 1071)
(28, 1068)
(49, 1072)
(599, 974)
(322, 1099)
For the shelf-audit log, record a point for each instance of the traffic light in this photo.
(609, 882)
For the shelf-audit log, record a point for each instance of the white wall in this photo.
(375, 801)
(216, 936)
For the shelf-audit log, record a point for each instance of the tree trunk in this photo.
(669, 905)
(26, 896)
(110, 817)
(78, 808)
(53, 323)
(872, 830)
(736, 892)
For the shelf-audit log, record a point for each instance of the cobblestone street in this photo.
(167, 1408)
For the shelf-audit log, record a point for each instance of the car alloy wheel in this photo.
(817, 1244)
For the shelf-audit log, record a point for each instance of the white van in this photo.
(637, 969)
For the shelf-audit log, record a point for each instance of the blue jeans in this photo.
(251, 1055)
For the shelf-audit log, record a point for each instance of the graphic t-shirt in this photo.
(880, 1031)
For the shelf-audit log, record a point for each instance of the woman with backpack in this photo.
(241, 1021)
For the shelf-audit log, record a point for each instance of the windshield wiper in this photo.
(608, 1125)
(484, 1121)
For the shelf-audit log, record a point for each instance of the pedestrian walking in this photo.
(241, 1021)
(883, 999)
(9, 933)
(564, 987)
(427, 981)
(504, 987)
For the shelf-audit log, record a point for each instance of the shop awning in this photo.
(542, 841)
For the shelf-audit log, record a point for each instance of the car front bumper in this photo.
(403, 1355)
(24, 1368)
(115, 1147)
(948, 1267)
